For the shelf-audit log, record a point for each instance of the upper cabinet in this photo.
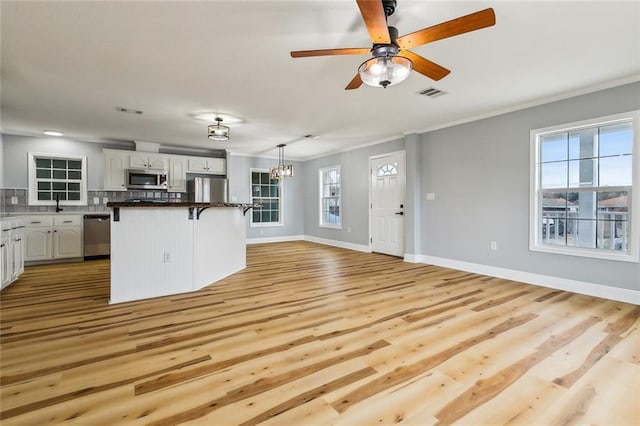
(116, 163)
(143, 160)
(216, 166)
(177, 174)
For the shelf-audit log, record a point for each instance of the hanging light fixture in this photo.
(218, 132)
(282, 170)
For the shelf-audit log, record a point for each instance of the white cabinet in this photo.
(217, 166)
(11, 251)
(143, 160)
(5, 261)
(115, 164)
(177, 174)
(53, 237)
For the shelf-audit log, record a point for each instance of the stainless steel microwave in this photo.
(146, 179)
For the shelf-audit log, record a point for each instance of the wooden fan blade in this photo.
(425, 66)
(475, 21)
(374, 18)
(355, 83)
(328, 52)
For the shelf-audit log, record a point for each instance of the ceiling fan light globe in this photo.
(385, 71)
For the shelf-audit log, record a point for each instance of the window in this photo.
(330, 197)
(267, 192)
(57, 177)
(584, 188)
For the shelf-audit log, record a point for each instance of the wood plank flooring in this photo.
(315, 335)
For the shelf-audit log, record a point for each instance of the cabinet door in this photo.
(197, 165)
(138, 161)
(157, 162)
(177, 175)
(5, 262)
(114, 169)
(38, 243)
(67, 241)
(17, 253)
(217, 165)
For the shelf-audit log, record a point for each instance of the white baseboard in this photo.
(283, 239)
(581, 287)
(336, 243)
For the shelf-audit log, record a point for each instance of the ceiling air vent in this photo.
(432, 92)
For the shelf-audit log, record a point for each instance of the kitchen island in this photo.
(158, 249)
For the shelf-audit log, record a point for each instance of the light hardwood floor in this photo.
(310, 334)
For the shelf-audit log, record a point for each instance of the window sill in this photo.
(591, 253)
(266, 225)
(330, 226)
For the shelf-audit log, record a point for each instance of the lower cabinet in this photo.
(11, 251)
(53, 237)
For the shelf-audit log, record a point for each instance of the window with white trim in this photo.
(585, 185)
(268, 193)
(57, 177)
(330, 197)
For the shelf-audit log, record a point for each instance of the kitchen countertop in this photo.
(177, 204)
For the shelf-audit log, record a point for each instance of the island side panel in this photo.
(151, 253)
(219, 245)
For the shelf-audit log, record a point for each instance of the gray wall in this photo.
(293, 190)
(480, 174)
(355, 192)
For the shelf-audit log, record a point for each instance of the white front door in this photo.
(387, 203)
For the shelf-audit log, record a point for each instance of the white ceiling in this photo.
(68, 65)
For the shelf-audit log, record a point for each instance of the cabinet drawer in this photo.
(67, 220)
(39, 221)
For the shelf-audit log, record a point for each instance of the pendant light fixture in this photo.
(218, 132)
(282, 170)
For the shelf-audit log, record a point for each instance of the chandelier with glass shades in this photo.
(282, 170)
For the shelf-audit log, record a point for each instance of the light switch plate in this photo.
(96, 200)
(14, 200)
(431, 196)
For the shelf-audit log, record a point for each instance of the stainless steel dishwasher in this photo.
(97, 236)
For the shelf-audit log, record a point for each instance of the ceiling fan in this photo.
(392, 60)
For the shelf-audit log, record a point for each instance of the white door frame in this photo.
(404, 188)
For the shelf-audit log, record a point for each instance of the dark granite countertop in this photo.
(177, 204)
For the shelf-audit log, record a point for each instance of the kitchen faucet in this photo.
(58, 208)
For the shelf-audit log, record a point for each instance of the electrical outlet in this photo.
(166, 258)
(494, 245)
(431, 196)
(348, 229)
(96, 200)
(14, 200)
(105, 200)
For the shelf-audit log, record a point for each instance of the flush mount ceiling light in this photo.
(211, 117)
(218, 132)
(52, 133)
(282, 170)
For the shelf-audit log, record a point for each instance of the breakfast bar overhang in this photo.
(159, 249)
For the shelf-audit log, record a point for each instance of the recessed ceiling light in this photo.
(210, 117)
(52, 133)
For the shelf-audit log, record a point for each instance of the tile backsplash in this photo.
(22, 206)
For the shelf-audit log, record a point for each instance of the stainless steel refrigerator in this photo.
(208, 190)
